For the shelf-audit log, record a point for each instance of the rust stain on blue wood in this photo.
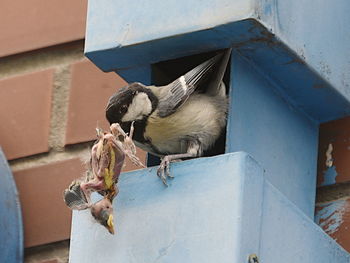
(329, 215)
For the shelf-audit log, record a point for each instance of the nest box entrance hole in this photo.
(165, 72)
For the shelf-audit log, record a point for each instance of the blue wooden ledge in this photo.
(217, 209)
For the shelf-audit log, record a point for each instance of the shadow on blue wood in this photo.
(279, 136)
(11, 228)
(216, 209)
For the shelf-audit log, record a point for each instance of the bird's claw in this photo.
(163, 171)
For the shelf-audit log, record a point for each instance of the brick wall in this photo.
(51, 100)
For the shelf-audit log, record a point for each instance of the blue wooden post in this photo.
(11, 227)
(286, 78)
(280, 137)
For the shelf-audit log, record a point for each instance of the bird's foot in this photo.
(163, 171)
(164, 168)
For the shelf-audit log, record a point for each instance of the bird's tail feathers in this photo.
(216, 85)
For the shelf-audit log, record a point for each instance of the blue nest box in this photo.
(289, 72)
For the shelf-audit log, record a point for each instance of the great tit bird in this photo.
(178, 120)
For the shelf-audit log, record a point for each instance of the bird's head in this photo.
(134, 102)
(102, 211)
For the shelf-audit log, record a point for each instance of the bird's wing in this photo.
(214, 85)
(75, 198)
(176, 93)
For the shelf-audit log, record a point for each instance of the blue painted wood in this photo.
(289, 236)
(11, 227)
(305, 65)
(212, 205)
(123, 57)
(281, 138)
(114, 24)
(141, 74)
(217, 209)
(316, 30)
(297, 81)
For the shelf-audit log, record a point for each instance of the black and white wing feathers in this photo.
(177, 92)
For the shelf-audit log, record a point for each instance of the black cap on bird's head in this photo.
(131, 103)
(102, 211)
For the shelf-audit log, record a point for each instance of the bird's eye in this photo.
(123, 109)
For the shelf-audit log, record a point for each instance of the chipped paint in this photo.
(334, 152)
(329, 175)
(329, 216)
(329, 159)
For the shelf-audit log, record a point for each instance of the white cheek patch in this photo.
(139, 107)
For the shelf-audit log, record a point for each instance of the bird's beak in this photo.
(110, 224)
(106, 220)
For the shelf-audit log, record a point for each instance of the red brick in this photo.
(33, 24)
(336, 133)
(46, 217)
(25, 104)
(334, 218)
(129, 165)
(90, 90)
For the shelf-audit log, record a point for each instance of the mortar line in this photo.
(41, 59)
(81, 151)
(59, 107)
